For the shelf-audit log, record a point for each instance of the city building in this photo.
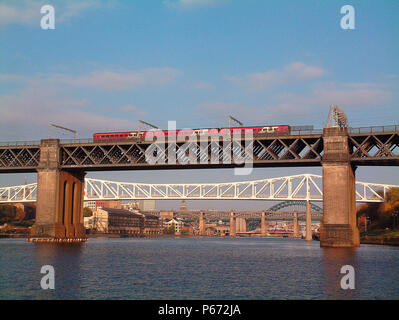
(167, 215)
(131, 205)
(177, 223)
(90, 204)
(28, 209)
(110, 220)
(113, 204)
(151, 224)
(147, 205)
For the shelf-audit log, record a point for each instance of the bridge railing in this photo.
(19, 143)
(374, 129)
(360, 130)
(81, 141)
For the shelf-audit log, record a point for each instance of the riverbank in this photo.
(384, 237)
(12, 235)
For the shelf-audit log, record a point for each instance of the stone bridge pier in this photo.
(296, 225)
(263, 225)
(338, 227)
(60, 193)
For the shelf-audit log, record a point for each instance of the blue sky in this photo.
(108, 64)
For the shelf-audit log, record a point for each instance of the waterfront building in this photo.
(151, 224)
(178, 224)
(110, 220)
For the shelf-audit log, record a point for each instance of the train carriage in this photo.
(280, 129)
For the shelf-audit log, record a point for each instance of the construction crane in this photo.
(231, 118)
(141, 122)
(63, 128)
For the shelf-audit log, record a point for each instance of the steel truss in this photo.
(378, 147)
(261, 150)
(296, 187)
(368, 146)
(25, 158)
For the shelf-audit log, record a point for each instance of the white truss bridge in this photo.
(296, 187)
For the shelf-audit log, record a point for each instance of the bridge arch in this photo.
(299, 204)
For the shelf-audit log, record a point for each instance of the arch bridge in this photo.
(303, 187)
(337, 148)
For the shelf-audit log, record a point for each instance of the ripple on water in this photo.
(196, 268)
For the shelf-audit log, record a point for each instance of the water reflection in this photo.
(332, 261)
(196, 268)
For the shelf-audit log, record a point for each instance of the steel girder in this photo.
(293, 188)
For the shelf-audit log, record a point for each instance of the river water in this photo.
(196, 268)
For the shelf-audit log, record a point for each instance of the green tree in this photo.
(381, 214)
(7, 213)
(87, 212)
(169, 230)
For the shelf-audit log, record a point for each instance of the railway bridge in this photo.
(62, 165)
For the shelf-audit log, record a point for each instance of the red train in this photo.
(185, 132)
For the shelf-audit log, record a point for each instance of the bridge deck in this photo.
(375, 147)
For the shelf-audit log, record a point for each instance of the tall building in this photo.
(147, 205)
(183, 206)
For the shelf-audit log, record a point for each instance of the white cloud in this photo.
(351, 97)
(301, 106)
(28, 113)
(133, 109)
(112, 80)
(103, 79)
(292, 73)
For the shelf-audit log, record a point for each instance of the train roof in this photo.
(243, 127)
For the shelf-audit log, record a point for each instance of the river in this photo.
(196, 268)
